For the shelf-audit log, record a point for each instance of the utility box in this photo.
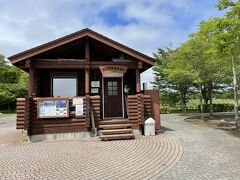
(149, 127)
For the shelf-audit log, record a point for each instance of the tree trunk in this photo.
(183, 102)
(235, 89)
(205, 101)
(205, 93)
(201, 101)
(8, 107)
(211, 104)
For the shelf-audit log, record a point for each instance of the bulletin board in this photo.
(52, 107)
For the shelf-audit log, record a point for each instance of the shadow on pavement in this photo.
(166, 129)
(234, 133)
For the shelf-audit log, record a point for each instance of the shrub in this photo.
(217, 108)
(169, 98)
(165, 109)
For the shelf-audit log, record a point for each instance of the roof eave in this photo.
(74, 36)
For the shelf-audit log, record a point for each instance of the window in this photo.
(112, 88)
(64, 87)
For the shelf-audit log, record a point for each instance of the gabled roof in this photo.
(77, 35)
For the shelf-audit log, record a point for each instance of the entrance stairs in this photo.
(115, 129)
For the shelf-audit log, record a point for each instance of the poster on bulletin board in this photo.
(79, 110)
(52, 107)
(77, 101)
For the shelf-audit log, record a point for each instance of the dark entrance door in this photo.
(113, 97)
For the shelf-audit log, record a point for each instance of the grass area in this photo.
(195, 102)
(192, 105)
(5, 113)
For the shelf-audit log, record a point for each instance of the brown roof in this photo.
(77, 35)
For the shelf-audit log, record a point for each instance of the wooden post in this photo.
(28, 114)
(138, 83)
(87, 81)
(87, 67)
(138, 86)
(139, 95)
(140, 102)
(31, 82)
(87, 84)
(87, 51)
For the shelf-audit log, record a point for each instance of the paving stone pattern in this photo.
(9, 134)
(142, 158)
(208, 153)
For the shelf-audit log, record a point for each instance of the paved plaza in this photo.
(142, 158)
(184, 151)
(208, 153)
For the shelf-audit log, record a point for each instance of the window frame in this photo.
(71, 76)
(112, 89)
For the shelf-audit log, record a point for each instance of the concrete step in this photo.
(115, 126)
(116, 137)
(114, 121)
(115, 131)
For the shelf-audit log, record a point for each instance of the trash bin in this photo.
(149, 127)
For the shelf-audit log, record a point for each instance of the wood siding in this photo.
(139, 108)
(20, 109)
(155, 106)
(27, 118)
(96, 105)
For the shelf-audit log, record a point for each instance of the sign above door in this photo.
(113, 70)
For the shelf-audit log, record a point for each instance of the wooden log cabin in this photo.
(84, 81)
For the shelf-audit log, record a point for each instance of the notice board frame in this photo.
(39, 100)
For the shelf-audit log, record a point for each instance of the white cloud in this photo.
(157, 23)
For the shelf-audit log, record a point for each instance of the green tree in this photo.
(181, 78)
(225, 34)
(208, 66)
(160, 79)
(168, 78)
(193, 63)
(13, 84)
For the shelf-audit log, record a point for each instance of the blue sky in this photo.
(143, 25)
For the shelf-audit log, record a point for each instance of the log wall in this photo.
(139, 108)
(133, 110)
(96, 105)
(20, 109)
(59, 125)
(155, 106)
(27, 118)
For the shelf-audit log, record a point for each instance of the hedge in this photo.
(217, 108)
(206, 108)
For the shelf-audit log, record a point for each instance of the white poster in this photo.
(79, 110)
(94, 90)
(77, 101)
(95, 84)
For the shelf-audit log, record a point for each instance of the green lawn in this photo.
(6, 113)
(192, 105)
(195, 102)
